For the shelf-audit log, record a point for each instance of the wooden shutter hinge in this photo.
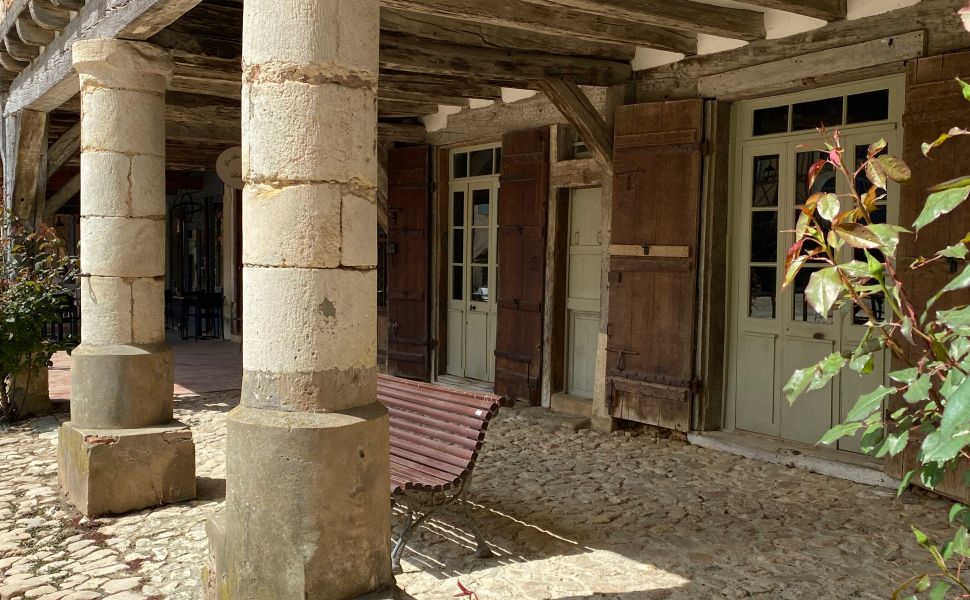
(707, 148)
(696, 386)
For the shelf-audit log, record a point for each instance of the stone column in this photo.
(122, 450)
(307, 462)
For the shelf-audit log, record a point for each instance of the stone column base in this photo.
(307, 506)
(113, 471)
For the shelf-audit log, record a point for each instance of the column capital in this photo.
(122, 64)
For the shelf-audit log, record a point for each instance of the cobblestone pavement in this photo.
(570, 515)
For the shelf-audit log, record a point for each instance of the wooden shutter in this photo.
(653, 265)
(408, 262)
(521, 263)
(934, 104)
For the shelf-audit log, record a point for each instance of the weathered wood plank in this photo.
(387, 107)
(684, 15)
(545, 16)
(401, 52)
(50, 80)
(49, 16)
(402, 132)
(769, 77)
(827, 10)
(492, 36)
(584, 172)
(589, 124)
(25, 164)
(430, 84)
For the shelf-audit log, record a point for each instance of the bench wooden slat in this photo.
(420, 472)
(415, 476)
(435, 434)
(416, 397)
(471, 433)
(471, 422)
(437, 462)
(408, 439)
(450, 395)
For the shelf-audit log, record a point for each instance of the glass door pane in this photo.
(763, 236)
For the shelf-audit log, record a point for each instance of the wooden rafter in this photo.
(470, 33)
(624, 21)
(545, 16)
(827, 10)
(402, 52)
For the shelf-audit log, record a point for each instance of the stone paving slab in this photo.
(570, 515)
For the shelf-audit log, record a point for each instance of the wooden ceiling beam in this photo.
(646, 23)
(391, 94)
(827, 10)
(412, 133)
(398, 81)
(468, 33)
(427, 56)
(404, 108)
(683, 15)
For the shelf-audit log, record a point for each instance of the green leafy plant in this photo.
(34, 273)
(854, 262)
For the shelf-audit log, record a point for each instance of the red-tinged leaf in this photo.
(895, 168)
(792, 269)
(813, 172)
(858, 236)
(794, 252)
(466, 593)
(835, 157)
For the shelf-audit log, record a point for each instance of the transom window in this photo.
(831, 112)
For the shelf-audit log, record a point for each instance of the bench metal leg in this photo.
(402, 540)
(483, 551)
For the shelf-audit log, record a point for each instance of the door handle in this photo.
(472, 307)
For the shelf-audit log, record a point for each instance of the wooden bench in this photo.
(436, 436)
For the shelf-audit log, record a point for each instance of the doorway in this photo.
(776, 331)
(583, 290)
(473, 192)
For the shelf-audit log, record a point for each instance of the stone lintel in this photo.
(113, 471)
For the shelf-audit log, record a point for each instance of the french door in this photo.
(778, 330)
(472, 276)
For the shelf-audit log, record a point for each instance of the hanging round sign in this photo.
(229, 167)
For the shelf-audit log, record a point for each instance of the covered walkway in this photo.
(570, 514)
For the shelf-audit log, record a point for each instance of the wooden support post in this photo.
(576, 107)
(25, 164)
